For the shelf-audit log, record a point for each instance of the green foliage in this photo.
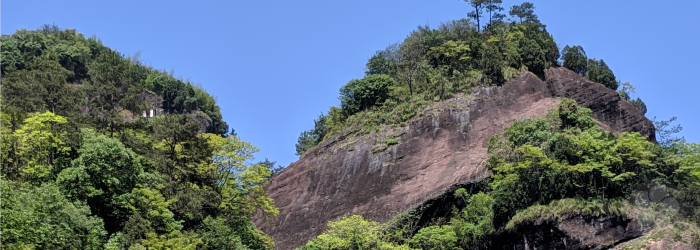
(241, 185)
(175, 241)
(103, 174)
(687, 157)
(575, 59)
(351, 232)
(533, 55)
(41, 217)
(217, 234)
(599, 72)
(524, 11)
(31, 151)
(474, 223)
(664, 132)
(559, 210)
(626, 92)
(435, 238)
(433, 64)
(310, 138)
(82, 170)
(384, 62)
(576, 159)
(358, 95)
(391, 142)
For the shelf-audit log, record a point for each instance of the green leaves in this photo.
(37, 145)
(599, 72)
(42, 218)
(104, 173)
(474, 223)
(435, 238)
(358, 95)
(351, 232)
(241, 185)
(565, 155)
(575, 59)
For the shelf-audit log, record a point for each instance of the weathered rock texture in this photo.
(573, 233)
(446, 146)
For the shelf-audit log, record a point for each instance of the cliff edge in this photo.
(355, 173)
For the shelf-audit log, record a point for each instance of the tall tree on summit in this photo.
(493, 7)
(525, 10)
(479, 6)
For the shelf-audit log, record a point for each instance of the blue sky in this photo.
(276, 65)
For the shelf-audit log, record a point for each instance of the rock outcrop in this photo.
(577, 232)
(355, 173)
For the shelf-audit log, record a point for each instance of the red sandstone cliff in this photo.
(359, 174)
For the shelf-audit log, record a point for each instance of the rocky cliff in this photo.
(355, 173)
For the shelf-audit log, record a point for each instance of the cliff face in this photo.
(446, 146)
(577, 232)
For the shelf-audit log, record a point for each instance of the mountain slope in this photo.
(445, 147)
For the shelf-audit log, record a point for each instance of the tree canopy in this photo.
(82, 169)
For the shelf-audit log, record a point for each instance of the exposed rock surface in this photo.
(355, 173)
(206, 125)
(678, 236)
(572, 233)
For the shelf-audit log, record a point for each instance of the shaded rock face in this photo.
(573, 233)
(206, 125)
(357, 173)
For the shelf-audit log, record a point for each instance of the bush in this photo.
(358, 95)
(391, 142)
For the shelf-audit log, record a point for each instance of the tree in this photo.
(175, 138)
(478, 6)
(412, 53)
(19, 96)
(35, 146)
(525, 10)
(575, 59)
(103, 175)
(494, 7)
(384, 62)
(626, 92)
(217, 234)
(599, 72)
(240, 184)
(492, 64)
(474, 223)
(274, 170)
(113, 90)
(358, 95)
(310, 138)
(351, 232)
(435, 238)
(664, 132)
(41, 217)
(533, 56)
(564, 155)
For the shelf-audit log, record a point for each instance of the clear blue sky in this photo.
(276, 65)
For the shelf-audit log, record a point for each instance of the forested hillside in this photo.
(100, 151)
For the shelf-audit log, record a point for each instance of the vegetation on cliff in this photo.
(82, 168)
(433, 64)
(550, 168)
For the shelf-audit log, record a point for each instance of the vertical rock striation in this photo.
(355, 173)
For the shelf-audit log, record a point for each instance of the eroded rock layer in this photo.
(357, 173)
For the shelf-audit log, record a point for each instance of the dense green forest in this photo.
(549, 167)
(82, 168)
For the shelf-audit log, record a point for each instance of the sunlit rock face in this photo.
(355, 173)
